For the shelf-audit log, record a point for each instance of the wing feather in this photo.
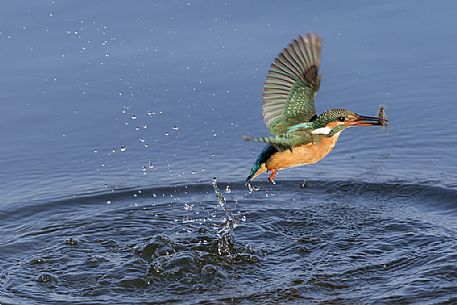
(292, 82)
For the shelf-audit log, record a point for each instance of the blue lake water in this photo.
(116, 115)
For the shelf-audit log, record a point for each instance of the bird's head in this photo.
(335, 120)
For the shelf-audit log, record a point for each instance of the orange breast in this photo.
(301, 155)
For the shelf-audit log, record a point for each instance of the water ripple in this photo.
(338, 241)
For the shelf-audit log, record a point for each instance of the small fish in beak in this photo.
(382, 115)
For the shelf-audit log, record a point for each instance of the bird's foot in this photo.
(272, 177)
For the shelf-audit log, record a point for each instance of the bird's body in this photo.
(300, 155)
(300, 136)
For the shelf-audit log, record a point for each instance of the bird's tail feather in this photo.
(259, 164)
(280, 143)
(255, 171)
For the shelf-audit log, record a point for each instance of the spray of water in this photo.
(226, 237)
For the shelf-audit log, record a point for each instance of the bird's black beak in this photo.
(362, 120)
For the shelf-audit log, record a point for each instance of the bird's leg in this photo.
(272, 176)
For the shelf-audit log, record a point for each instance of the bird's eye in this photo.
(341, 119)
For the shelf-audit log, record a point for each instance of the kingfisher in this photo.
(299, 135)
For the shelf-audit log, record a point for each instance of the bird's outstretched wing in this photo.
(291, 84)
(286, 141)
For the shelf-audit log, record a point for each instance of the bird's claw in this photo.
(272, 181)
(272, 177)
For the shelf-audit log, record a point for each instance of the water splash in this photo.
(227, 189)
(226, 240)
(251, 187)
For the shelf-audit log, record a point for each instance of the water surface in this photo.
(116, 116)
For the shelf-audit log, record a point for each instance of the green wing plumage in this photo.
(291, 84)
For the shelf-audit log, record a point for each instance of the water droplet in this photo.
(146, 145)
(133, 117)
(123, 148)
(38, 261)
(150, 165)
(108, 202)
(70, 241)
(166, 133)
(114, 150)
(228, 190)
(137, 128)
(175, 128)
(142, 140)
(145, 126)
(95, 151)
(193, 172)
(144, 169)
